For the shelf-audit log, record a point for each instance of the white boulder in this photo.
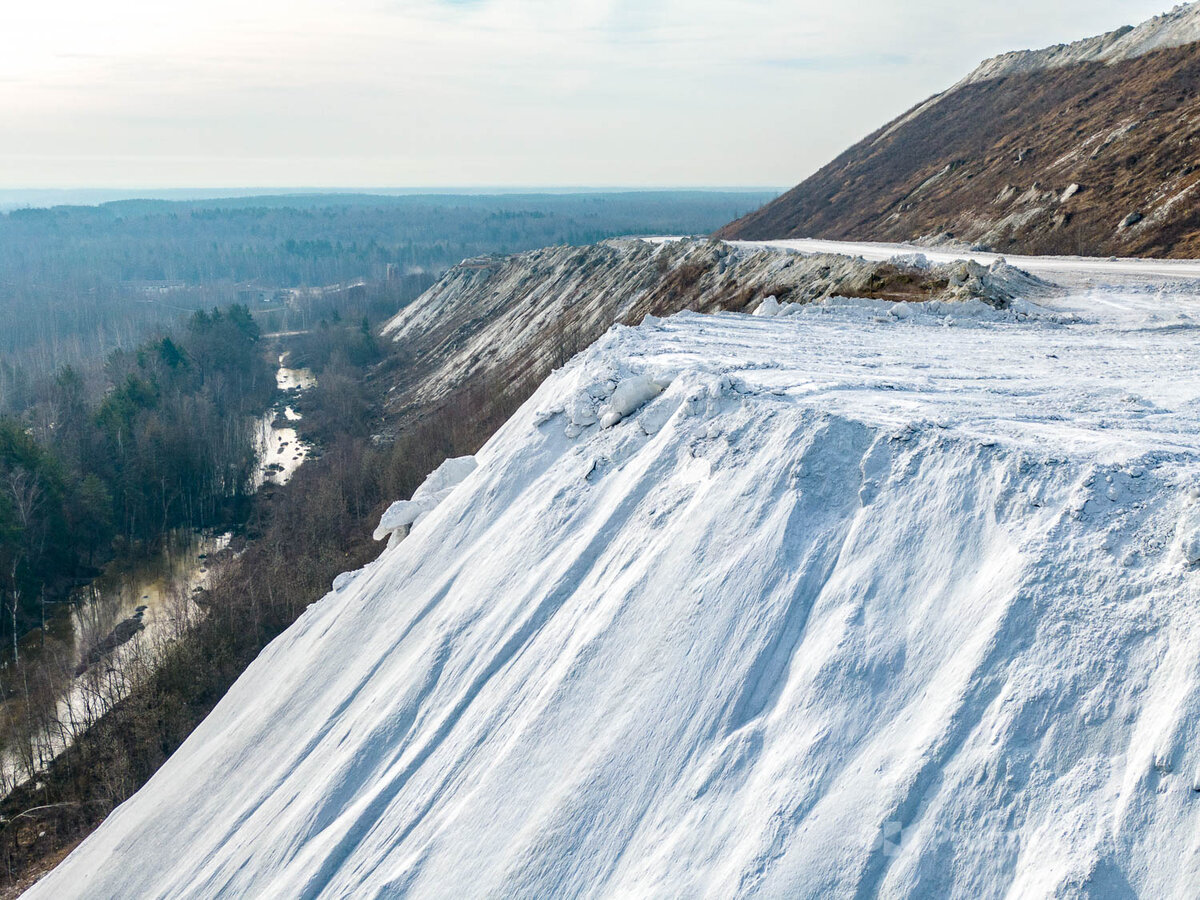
(630, 396)
(403, 514)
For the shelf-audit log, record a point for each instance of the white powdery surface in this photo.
(857, 605)
(403, 514)
(1177, 28)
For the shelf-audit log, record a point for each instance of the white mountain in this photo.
(1177, 28)
(864, 600)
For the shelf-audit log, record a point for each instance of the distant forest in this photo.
(79, 281)
(164, 439)
(137, 357)
(132, 366)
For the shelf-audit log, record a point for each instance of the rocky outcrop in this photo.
(504, 321)
(1087, 148)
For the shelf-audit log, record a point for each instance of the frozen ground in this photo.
(1176, 28)
(1141, 275)
(863, 601)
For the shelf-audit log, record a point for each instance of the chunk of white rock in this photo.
(630, 396)
(769, 308)
(403, 514)
(655, 418)
(581, 410)
(912, 261)
(399, 515)
(449, 475)
(1189, 536)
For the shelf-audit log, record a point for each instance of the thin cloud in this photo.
(444, 92)
(839, 63)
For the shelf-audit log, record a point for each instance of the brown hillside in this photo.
(994, 163)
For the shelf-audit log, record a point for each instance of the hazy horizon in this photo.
(269, 94)
(40, 198)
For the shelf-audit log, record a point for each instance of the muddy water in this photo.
(280, 450)
(293, 379)
(165, 584)
(153, 598)
(159, 589)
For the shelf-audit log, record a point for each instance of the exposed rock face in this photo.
(1053, 151)
(506, 320)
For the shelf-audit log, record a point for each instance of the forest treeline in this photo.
(296, 540)
(76, 282)
(161, 437)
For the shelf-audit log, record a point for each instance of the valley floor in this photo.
(858, 600)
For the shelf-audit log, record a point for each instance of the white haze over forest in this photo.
(204, 93)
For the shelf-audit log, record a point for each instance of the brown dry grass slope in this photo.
(1092, 159)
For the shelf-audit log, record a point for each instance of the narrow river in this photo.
(155, 597)
(280, 451)
(158, 591)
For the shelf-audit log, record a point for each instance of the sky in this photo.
(421, 93)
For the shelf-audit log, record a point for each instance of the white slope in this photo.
(1176, 28)
(861, 604)
(1141, 275)
(497, 321)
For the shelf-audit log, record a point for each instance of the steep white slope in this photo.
(861, 604)
(1176, 28)
(517, 317)
(1144, 276)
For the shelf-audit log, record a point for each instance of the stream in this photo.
(156, 588)
(280, 450)
(155, 597)
(158, 591)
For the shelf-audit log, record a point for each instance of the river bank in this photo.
(95, 645)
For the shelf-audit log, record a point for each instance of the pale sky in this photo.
(376, 93)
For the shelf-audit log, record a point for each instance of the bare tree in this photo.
(27, 495)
